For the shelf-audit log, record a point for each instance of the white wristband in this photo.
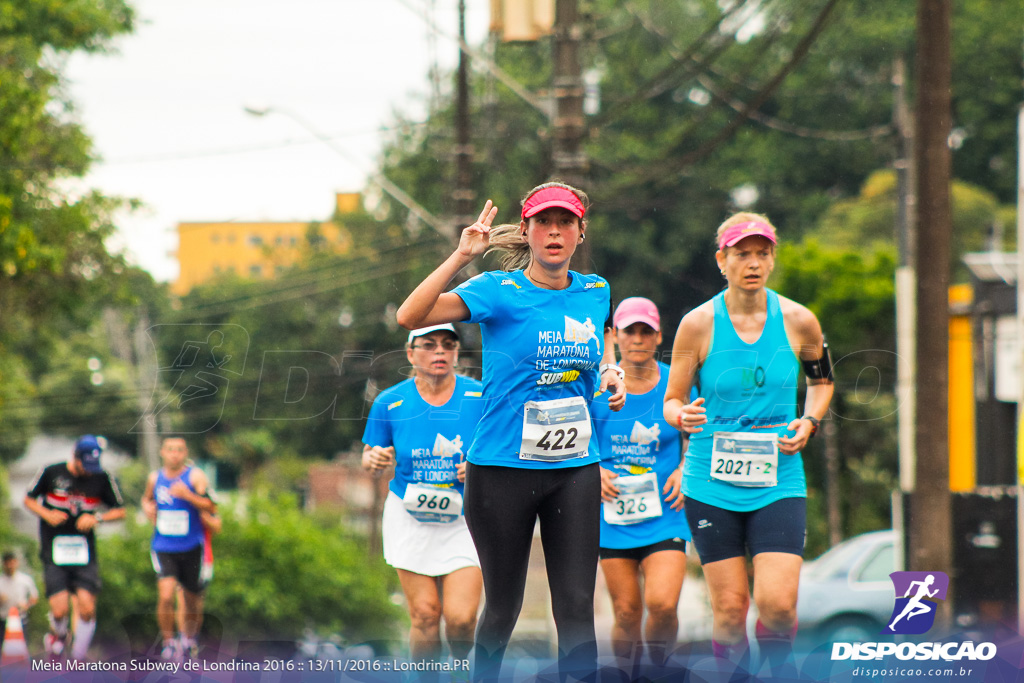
(611, 366)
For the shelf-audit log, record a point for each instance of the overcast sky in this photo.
(166, 111)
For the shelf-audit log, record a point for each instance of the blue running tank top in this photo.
(746, 388)
(178, 526)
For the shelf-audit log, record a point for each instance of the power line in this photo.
(226, 151)
(655, 85)
(698, 66)
(677, 160)
(294, 290)
(507, 80)
(794, 129)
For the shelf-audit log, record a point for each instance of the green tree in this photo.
(54, 265)
(870, 217)
(851, 291)
(671, 145)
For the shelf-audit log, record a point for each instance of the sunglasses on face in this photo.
(430, 346)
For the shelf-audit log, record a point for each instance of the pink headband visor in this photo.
(637, 309)
(741, 230)
(551, 197)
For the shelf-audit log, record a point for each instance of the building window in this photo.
(255, 240)
(215, 238)
(231, 238)
(279, 240)
(256, 270)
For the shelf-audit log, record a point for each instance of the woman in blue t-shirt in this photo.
(422, 427)
(547, 349)
(744, 478)
(643, 525)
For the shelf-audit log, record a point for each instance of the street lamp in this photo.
(396, 192)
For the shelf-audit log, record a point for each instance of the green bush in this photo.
(277, 573)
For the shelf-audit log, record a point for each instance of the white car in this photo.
(846, 594)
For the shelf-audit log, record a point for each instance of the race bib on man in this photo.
(70, 551)
(172, 522)
(555, 430)
(638, 501)
(745, 458)
(432, 504)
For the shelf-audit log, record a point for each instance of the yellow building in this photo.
(254, 249)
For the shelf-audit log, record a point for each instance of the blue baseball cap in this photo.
(87, 451)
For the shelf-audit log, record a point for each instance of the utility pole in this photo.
(905, 279)
(1020, 337)
(930, 518)
(463, 194)
(569, 161)
(146, 383)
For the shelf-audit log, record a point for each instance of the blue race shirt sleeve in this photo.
(378, 427)
(479, 294)
(600, 412)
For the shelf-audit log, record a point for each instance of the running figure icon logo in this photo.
(443, 448)
(914, 613)
(580, 332)
(206, 358)
(646, 435)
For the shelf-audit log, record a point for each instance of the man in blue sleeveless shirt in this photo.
(175, 497)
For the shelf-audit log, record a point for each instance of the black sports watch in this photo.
(814, 424)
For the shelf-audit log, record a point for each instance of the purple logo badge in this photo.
(917, 596)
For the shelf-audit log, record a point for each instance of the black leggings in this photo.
(502, 505)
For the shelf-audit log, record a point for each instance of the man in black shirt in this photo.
(70, 499)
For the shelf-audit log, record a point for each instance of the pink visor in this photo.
(637, 309)
(551, 197)
(737, 232)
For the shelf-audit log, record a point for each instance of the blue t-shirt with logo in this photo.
(539, 345)
(429, 440)
(637, 440)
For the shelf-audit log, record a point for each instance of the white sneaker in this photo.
(52, 645)
(189, 648)
(171, 651)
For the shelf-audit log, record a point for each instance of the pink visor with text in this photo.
(734, 233)
(551, 197)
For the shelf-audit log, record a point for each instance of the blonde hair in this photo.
(743, 217)
(507, 239)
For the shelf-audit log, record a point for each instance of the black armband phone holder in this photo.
(820, 368)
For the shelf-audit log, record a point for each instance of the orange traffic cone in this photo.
(14, 650)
